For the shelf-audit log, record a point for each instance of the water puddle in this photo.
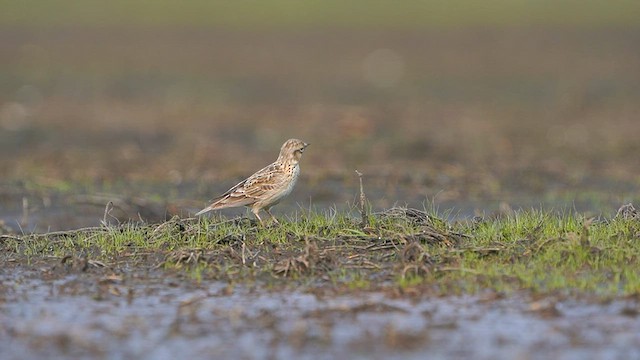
(162, 317)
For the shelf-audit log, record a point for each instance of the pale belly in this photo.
(275, 198)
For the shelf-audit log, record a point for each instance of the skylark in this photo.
(266, 187)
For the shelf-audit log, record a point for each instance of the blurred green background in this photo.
(408, 14)
(516, 101)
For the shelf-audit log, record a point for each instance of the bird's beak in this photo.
(305, 145)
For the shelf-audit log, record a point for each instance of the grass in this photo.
(536, 251)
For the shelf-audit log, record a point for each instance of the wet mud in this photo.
(44, 314)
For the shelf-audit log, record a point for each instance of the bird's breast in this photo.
(292, 172)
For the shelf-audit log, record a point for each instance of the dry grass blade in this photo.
(628, 211)
(299, 264)
(414, 215)
(185, 257)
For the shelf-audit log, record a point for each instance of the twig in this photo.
(25, 211)
(477, 250)
(244, 247)
(10, 237)
(107, 211)
(471, 271)
(363, 204)
(55, 233)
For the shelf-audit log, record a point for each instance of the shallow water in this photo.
(165, 317)
(25, 211)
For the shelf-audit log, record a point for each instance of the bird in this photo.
(267, 186)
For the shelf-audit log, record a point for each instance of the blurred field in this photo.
(508, 100)
(315, 13)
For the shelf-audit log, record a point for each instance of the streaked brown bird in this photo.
(266, 187)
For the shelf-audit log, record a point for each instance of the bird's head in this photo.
(292, 150)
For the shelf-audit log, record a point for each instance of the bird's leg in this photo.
(255, 212)
(272, 217)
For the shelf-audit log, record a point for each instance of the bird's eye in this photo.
(301, 150)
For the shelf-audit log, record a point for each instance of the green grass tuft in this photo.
(536, 251)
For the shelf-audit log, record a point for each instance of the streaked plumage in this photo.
(266, 187)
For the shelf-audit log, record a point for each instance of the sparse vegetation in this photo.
(536, 251)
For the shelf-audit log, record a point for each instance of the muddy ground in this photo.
(49, 312)
(160, 120)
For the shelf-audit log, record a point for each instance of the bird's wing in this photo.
(250, 190)
(263, 181)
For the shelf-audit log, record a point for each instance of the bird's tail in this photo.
(215, 204)
(205, 210)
